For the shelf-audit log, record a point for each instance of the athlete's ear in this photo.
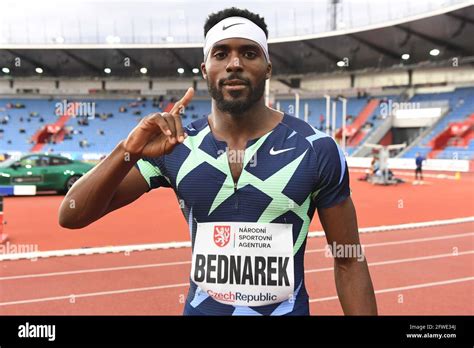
(268, 74)
(203, 70)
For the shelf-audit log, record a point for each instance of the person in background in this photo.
(418, 171)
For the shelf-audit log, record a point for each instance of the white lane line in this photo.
(408, 287)
(187, 244)
(94, 251)
(95, 270)
(412, 225)
(131, 290)
(92, 294)
(404, 241)
(154, 265)
(396, 261)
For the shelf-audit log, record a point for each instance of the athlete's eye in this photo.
(250, 54)
(219, 55)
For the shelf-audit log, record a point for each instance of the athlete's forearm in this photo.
(354, 287)
(91, 195)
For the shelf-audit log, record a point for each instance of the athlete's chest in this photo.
(269, 177)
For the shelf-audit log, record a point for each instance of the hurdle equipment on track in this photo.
(382, 177)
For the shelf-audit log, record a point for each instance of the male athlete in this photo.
(248, 214)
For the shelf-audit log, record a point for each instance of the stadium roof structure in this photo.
(447, 32)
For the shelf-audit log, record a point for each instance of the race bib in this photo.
(244, 264)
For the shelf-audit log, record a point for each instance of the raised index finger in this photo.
(183, 102)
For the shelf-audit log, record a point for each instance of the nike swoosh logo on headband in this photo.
(230, 25)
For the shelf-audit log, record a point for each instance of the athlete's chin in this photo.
(234, 106)
(236, 94)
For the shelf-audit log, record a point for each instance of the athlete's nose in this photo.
(234, 64)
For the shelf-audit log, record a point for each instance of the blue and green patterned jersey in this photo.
(248, 238)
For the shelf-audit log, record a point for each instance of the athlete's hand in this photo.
(157, 134)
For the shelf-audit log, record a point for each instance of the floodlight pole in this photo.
(333, 129)
(306, 112)
(297, 104)
(344, 116)
(328, 112)
(267, 93)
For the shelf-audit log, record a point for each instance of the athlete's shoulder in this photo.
(298, 125)
(332, 184)
(315, 137)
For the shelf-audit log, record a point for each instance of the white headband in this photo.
(235, 27)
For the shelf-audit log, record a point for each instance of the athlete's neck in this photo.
(253, 123)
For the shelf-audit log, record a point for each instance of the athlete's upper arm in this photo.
(340, 223)
(132, 186)
(332, 193)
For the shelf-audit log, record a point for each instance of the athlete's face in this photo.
(236, 70)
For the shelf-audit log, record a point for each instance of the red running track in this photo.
(155, 217)
(417, 271)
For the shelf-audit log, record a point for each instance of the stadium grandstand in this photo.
(404, 80)
(380, 67)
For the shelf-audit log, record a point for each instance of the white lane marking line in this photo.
(411, 225)
(408, 287)
(95, 250)
(95, 270)
(92, 294)
(395, 261)
(153, 265)
(405, 241)
(174, 245)
(123, 291)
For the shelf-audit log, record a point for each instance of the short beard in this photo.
(236, 107)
